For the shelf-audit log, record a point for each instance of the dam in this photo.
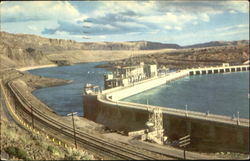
(207, 131)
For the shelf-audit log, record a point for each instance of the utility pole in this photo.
(186, 110)
(72, 114)
(183, 142)
(238, 117)
(15, 104)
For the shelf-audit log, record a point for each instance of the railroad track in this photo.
(106, 148)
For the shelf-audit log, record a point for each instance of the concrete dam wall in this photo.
(119, 93)
(208, 132)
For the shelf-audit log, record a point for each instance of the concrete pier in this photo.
(208, 132)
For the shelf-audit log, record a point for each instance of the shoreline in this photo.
(22, 69)
(36, 67)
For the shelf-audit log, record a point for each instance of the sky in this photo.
(170, 21)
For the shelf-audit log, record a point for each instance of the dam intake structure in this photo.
(208, 132)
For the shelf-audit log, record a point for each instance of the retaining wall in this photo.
(206, 135)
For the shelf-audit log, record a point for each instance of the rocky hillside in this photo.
(49, 45)
(13, 55)
(19, 50)
(218, 43)
(188, 58)
(28, 50)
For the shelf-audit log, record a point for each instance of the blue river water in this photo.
(68, 98)
(223, 94)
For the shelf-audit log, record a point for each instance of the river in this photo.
(68, 98)
(224, 94)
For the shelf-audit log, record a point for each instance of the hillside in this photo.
(19, 144)
(218, 43)
(189, 58)
(18, 50)
(28, 50)
(49, 45)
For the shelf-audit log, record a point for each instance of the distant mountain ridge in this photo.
(49, 44)
(218, 43)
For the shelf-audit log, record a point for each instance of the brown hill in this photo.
(218, 43)
(29, 50)
(200, 57)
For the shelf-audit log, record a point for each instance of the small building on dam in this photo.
(126, 75)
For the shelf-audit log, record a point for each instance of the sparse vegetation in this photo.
(16, 152)
(51, 149)
(73, 154)
(21, 144)
(30, 50)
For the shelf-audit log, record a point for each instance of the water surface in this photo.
(66, 98)
(223, 94)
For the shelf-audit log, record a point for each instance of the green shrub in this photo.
(16, 152)
(73, 154)
(69, 157)
(51, 149)
(11, 151)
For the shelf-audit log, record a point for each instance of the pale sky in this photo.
(180, 22)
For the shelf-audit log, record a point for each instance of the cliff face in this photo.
(14, 56)
(39, 43)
